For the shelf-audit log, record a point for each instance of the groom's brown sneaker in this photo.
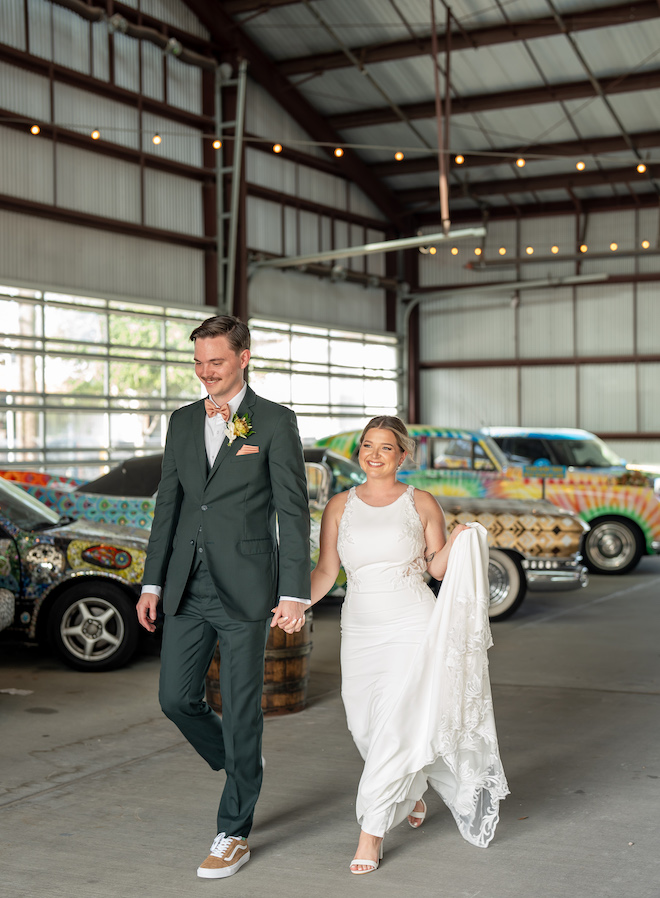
(228, 854)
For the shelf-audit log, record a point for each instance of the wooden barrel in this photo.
(286, 672)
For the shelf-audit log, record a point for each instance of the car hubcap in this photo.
(499, 583)
(611, 545)
(92, 629)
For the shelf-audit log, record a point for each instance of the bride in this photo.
(400, 667)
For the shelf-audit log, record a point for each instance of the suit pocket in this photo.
(257, 546)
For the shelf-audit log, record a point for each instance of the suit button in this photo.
(204, 507)
(200, 549)
(192, 542)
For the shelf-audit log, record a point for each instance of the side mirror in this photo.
(318, 483)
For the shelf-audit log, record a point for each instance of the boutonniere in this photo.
(238, 427)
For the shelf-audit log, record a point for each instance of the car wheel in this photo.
(93, 626)
(507, 585)
(612, 546)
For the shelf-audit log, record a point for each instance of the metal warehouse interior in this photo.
(448, 211)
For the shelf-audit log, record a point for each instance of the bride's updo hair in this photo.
(389, 422)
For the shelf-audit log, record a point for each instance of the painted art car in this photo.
(532, 542)
(620, 504)
(70, 583)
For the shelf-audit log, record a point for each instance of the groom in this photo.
(232, 463)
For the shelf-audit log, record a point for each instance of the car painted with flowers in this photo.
(532, 542)
(620, 504)
(73, 584)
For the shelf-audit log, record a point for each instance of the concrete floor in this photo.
(100, 796)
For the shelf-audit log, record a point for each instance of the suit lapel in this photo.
(226, 450)
(199, 418)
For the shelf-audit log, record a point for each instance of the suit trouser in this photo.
(233, 742)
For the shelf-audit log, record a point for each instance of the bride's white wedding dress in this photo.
(415, 671)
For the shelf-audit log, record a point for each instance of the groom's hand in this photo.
(289, 616)
(147, 608)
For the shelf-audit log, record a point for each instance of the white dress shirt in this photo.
(214, 437)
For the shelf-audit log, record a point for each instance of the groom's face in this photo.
(219, 367)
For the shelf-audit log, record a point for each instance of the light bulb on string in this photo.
(478, 251)
(502, 250)
(529, 250)
(554, 249)
(35, 129)
(339, 152)
(95, 134)
(398, 156)
(580, 165)
(584, 248)
(432, 250)
(459, 160)
(157, 139)
(217, 144)
(645, 244)
(641, 168)
(614, 247)
(277, 147)
(520, 162)
(454, 250)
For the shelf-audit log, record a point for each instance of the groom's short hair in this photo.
(236, 331)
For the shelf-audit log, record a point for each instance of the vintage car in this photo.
(620, 504)
(71, 583)
(532, 543)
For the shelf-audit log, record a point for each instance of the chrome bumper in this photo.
(545, 574)
(655, 545)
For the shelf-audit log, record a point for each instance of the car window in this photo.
(451, 453)
(529, 448)
(592, 453)
(345, 474)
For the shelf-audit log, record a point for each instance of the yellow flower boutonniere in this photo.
(238, 427)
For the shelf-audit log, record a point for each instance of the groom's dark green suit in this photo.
(214, 550)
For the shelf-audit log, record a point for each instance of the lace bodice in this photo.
(381, 548)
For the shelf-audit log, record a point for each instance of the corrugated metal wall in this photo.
(617, 321)
(62, 257)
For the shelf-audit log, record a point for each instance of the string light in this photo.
(95, 134)
(478, 251)
(432, 250)
(339, 152)
(645, 244)
(614, 247)
(35, 129)
(217, 144)
(459, 160)
(554, 249)
(398, 156)
(529, 250)
(157, 139)
(277, 148)
(520, 162)
(502, 250)
(580, 165)
(584, 248)
(454, 250)
(641, 168)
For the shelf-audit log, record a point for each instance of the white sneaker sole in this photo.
(222, 872)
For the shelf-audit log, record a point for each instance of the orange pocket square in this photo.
(247, 450)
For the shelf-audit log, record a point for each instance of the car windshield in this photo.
(24, 510)
(345, 474)
(587, 453)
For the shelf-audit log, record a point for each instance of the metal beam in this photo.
(529, 96)
(477, 159)
(235, 7)
(465, 39)
(573, 180)
(367, 249)
(229, 35)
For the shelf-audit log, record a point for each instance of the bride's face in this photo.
(380, 454)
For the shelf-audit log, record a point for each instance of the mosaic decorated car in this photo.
(620, 504)
(532, 542)
(73, 584)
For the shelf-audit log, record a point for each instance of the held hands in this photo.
(289, 616)
(147, 608)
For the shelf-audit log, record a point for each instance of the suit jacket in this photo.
(235, 504)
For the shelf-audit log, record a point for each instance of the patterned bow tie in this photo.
(212, 409)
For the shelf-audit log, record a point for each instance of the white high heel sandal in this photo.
(418, 815)
(372, 865)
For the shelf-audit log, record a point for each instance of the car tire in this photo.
(613, 545)
(93, 626)
(507, 583)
